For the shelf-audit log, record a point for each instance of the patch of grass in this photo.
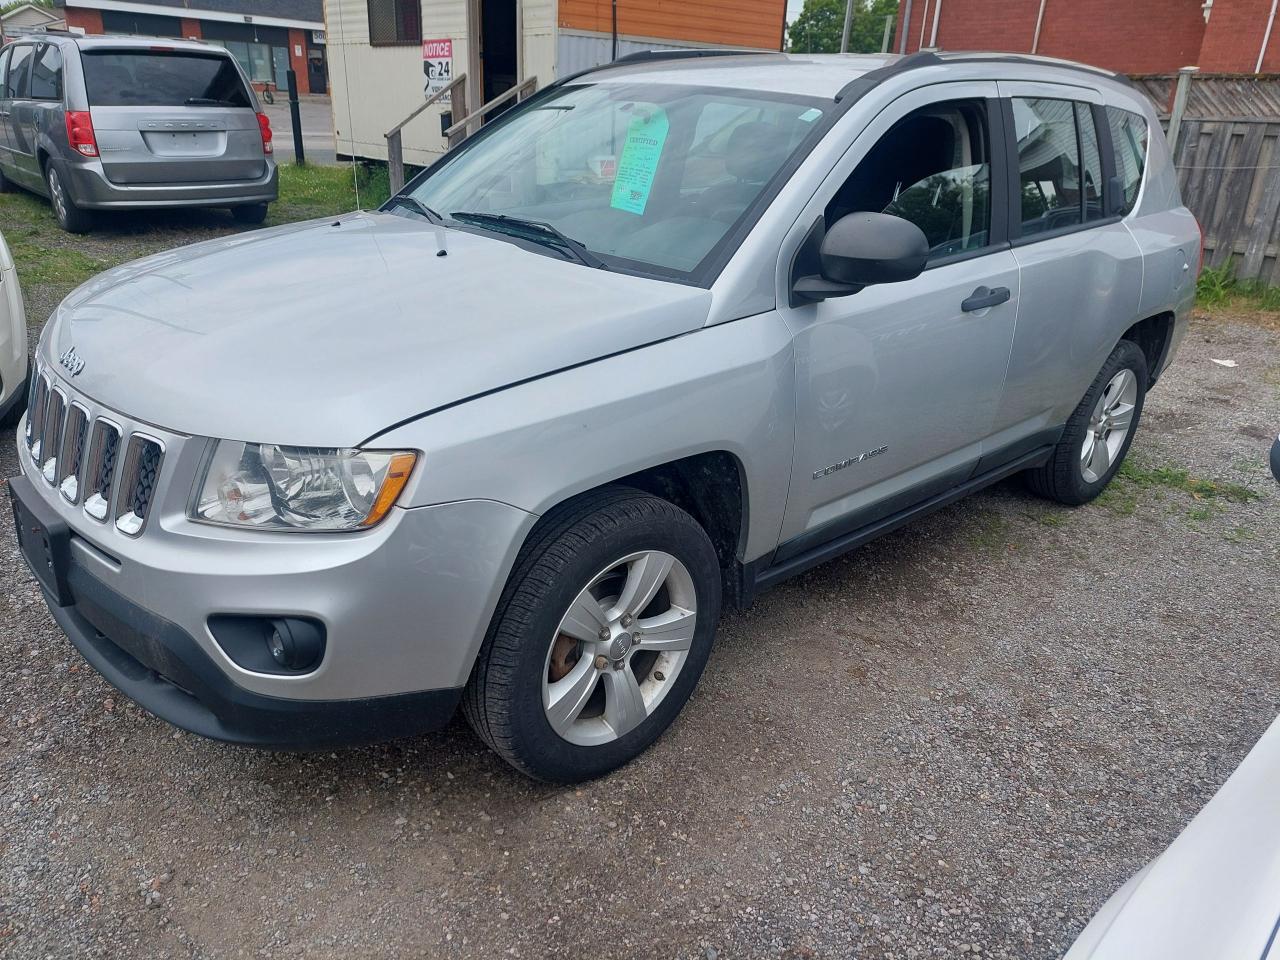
(312, 191)
(1219, 289)
(1176, 478)
(989, 532)
(1239, 535)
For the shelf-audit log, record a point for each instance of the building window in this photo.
(395, 23)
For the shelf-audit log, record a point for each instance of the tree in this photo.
(10, 4)
(821, 23)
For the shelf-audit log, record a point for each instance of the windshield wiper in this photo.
(538, 231)
(404, 199)
(206, 102)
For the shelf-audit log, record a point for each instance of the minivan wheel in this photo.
(1099, 433)
(599, 638)
(252, 214)
(70, 217)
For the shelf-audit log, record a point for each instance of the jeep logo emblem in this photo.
(71, 360)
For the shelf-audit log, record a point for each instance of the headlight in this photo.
(300, 488)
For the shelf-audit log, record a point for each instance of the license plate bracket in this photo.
(43, 538)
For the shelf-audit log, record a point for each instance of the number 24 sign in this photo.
(437, 64)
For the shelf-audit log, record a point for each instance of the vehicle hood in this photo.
(1216, 891)
(328, 332)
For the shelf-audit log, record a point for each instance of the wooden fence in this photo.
(1228, 162)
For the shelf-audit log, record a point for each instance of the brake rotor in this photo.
(564, 654)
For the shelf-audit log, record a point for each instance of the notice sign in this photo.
(437, 65)
(646, 136)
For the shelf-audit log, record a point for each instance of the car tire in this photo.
(251, 214)
(70, 217)
(1099, 432)
(549, 692)
(5, 184)
(19, 400)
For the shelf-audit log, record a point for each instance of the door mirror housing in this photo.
(862, 249)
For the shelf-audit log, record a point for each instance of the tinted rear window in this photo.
(153, 78)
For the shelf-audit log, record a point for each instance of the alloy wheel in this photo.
(57, 195)
(1108, 426)
(619, 648)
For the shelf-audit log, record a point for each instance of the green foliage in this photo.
(1219, 287)
(821, 23)
(8, 5)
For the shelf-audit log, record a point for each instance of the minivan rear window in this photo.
(162, 78)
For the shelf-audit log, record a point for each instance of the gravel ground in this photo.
(957, 741)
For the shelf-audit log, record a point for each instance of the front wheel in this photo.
(1099, 432)
(599, 639)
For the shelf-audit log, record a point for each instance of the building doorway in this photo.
(499, 49)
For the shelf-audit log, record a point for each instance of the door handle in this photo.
(985, 297)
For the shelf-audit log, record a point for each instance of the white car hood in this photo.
(328, 332)
(1215, 893)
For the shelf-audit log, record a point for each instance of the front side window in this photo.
(46, 74)
(394, 22)
(1091, 160)
(1129, 138)
(4, 66)
(648, 177)
(1049, 171)
(933, 168)
(155, 78)
(18, 83)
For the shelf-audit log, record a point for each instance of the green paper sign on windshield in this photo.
(646, 136)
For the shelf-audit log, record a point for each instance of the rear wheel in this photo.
(70, 217)
(1099, 433)
(599, 639)
(253, 213)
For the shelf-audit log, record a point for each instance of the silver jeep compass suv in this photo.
(668, 332)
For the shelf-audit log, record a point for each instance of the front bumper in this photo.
(93, 191)
(405, 607)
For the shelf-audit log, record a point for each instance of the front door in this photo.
(16, 89)
(898, 384)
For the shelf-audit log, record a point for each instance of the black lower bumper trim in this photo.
(165, 671)
(159, 666)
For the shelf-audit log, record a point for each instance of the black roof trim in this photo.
(859, 87)
(645, 56)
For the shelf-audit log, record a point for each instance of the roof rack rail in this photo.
(644, 56)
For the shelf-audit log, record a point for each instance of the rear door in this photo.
(1081, 268)
(17, 86)
(4, 108)
(43, 93)
(163, 115)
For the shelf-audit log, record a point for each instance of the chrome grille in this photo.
(92, 459)
(101, 469)
(138, 486)
(71, 459)
(35, 417)
(51, 435)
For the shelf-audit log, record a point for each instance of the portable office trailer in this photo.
(376, 55)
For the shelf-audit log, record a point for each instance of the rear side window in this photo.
(4, 65)
(1129, 138)
(1049, 170)
(932, 168)
(18, 84)
(46, 74)
(154, 78)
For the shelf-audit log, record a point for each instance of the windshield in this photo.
(646, 176)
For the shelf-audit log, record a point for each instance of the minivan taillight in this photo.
(264, 127)
(80, 133)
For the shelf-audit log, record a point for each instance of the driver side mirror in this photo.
(860, 249)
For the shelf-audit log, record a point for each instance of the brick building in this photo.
(268, 37)
(1128, 36)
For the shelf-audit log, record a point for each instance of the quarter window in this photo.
(1049, 173)
(19, 80)
(46, 74)
(4, 65)
(394, 22)
(933, 168)
(1129, 138)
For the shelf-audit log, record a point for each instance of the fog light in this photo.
(294, 644)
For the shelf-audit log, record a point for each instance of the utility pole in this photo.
(848, 20)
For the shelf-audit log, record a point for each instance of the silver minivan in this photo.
(664, 334)
(115, 123)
